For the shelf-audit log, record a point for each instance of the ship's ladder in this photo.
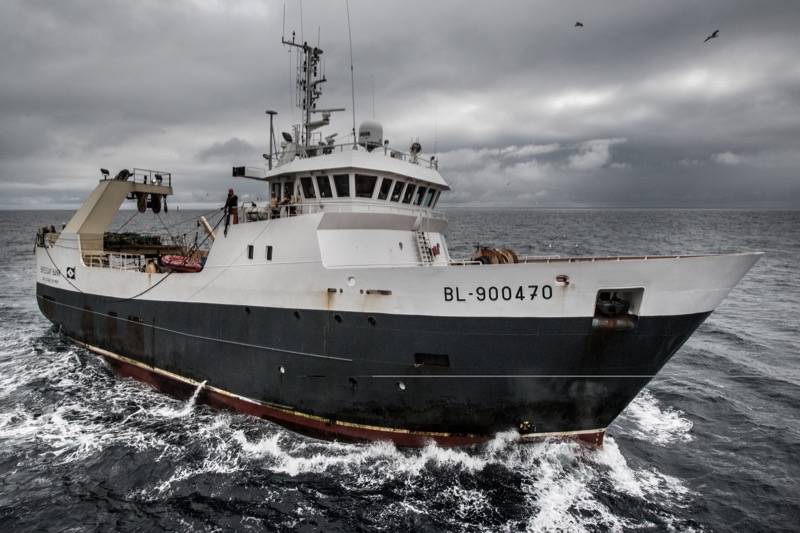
(424, 247)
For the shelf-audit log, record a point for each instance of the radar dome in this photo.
(370, 134)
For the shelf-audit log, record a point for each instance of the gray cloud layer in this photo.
(521, 107)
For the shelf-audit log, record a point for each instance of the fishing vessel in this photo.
(336, 309)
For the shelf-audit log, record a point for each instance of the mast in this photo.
(309, 81)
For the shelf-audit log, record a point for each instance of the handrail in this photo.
(557, 259)
(143, 175)
(114, 261)
(322, 148)
(253, 213)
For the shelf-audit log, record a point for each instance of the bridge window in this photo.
(429, 197)
(398, 190)
(365, 185)
(308, 187)
(420, 195)
(409, 193)
(386, 186)
(324, 185)
(342, 184)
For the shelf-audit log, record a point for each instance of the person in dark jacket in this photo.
(231, 209)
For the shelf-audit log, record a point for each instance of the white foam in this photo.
(560, 479)
(468, 502)
(86, 412)
(647, 421)
(647, 483)
(168, 411)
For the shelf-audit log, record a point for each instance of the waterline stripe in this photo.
(288, 410)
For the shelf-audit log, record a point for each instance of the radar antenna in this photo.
(309, 81)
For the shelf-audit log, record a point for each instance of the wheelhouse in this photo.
(365, 186)
(311, 172)
(349, 180)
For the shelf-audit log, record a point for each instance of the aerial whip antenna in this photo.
(352, 77)
(435, 133)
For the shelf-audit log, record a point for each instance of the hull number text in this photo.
(493, 294)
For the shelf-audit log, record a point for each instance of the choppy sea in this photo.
(712, 444)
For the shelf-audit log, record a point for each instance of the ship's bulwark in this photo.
(390, 376)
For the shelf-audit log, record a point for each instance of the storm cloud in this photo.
(520, 106)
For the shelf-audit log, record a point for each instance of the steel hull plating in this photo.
(405, 378)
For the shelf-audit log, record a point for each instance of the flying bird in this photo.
(579, 24)
(713, 35)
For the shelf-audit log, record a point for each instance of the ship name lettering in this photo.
(450, 296)
(494, 293)
(49, 271)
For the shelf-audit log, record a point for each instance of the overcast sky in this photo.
(521, 107)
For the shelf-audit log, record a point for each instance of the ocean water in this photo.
(712, 444)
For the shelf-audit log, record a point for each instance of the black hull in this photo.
(355, 376)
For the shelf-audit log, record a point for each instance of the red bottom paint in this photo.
(310, 425)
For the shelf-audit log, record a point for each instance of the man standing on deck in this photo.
(231, 208)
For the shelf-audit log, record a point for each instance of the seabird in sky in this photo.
(579, 24)
(713, 35)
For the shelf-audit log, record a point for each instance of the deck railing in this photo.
(254, 213)
(318, 147)
(115, 261)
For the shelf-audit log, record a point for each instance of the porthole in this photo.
(247, 310)
(338, 318)
(297, 315)
(371, 320)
